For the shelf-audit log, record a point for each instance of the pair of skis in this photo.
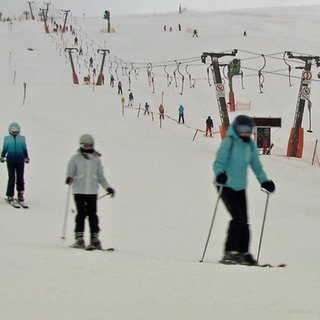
(268, 265)
(17, 204)
(260, 265)
(91, 248)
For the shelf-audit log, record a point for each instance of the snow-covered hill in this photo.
(159, 220)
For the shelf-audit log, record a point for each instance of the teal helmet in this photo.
(14, 128)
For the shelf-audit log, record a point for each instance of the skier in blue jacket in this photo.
(15, 152)
(236, 152)
(181, 114)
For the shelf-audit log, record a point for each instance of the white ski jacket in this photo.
(87, 173)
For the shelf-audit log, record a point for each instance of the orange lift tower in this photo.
(100, 80)
(296, 138)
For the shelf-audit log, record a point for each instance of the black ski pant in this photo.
(86, 207)
(238, 236)
(15, 176)
(181, 118)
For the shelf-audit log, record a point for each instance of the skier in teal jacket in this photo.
(15, 152)
(236, 153)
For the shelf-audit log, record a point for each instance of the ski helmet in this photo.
(14, 128)
(86, 141)
(242, 124)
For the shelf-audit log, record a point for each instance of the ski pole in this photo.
(104, 195)
(65, 220)
(211, 225)
(263, 222)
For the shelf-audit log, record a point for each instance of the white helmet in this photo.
(86, 141)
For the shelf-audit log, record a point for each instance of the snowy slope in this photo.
(160, 216)
(95, 8)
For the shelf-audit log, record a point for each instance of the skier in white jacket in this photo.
(85, 174)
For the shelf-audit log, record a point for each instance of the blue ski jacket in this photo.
(14, 149)
(233, 157)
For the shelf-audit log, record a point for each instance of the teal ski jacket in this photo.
(14, 149)
(233, 157)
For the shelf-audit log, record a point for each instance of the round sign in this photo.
(219, 87)
(305, 92)
(307, 75)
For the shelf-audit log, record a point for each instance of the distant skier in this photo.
(131, 99)
(209, 126)
(91, 62)
(161, 111)
(85, 174)
(15, 152)
(112, 81)
(146, 108)
(119, 87)
(195, 33)
(236, 152)
(181, 114)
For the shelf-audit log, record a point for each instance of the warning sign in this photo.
(307, 76)
(305, 93)
(219, 87)
(220, 90)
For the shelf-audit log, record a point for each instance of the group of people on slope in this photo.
(209, 122)
(85, 173)
(235, 154)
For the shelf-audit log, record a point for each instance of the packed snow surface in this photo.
(162, 172)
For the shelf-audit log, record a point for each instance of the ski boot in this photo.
(20, 197)
(95, 243)
(231, 257)
(79, 243)
(10, 199)
(247, 259)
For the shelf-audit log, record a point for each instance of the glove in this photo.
(222, 178)
(2, 159)
(26, 160)
(268, 185)
(111, 192)
(69, 180)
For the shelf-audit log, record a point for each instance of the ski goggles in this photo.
(244, 128)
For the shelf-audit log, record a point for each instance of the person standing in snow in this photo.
(112, 81)
(131, 99)
(91, 62)
(209, 126)
(161, 111)
(85, 174)
(146, 108)
(119, 87)
(181, 114)
(236, 152)
(15, 152)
